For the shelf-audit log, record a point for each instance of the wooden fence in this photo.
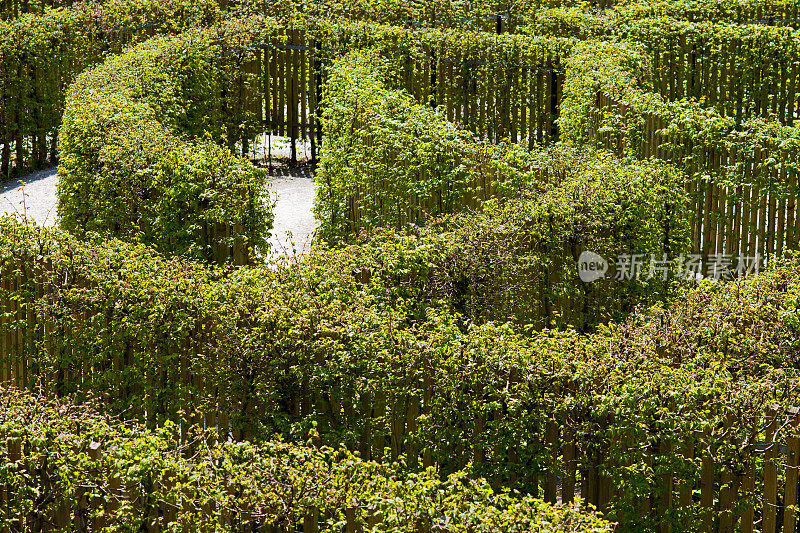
(496, 100)
(754, 498)
(761, 494)
(481, 181)
(29, 122)
(760, 216)
(760, 12)
(279, 86)
(737, 78)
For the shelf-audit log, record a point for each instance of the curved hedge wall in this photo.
(54, 455)
(140, 156)
(356, 347)
(391, 162)
(402, 160)
(742, 178)
(40, 55)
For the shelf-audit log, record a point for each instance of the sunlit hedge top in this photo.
(69, 447)
(139, 157)
(691, 131)
(332, 346)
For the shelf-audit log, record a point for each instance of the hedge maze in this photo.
(439, 360)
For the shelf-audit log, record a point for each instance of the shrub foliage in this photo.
(139, 158)
(53, 454)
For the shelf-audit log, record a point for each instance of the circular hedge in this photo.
(140, 157)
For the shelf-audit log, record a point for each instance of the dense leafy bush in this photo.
(139, 160)
(692, 136)
(518, 258)
(71, 454)
(391, 162)
(349, 346)
(761, 12)
(388, 161)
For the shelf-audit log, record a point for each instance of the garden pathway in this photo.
(292, 188)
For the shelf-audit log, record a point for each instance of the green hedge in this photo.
(71, 454)
(519, 256)
(360, 347)
(497, 86)
(757, 157)
(758, 12)
(50, 50)
(740, 70)
(443, 14)
(42, 54)
(139, 158)
(388, 160)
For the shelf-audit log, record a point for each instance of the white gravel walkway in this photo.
(34, 195)
(294, 190)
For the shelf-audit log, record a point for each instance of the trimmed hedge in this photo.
(518, 257)
(388, 160)
(391, 162)
(56, 454)
(746, 12)
(355, 347)
(742, 71)
(692, 137)
(138, 157)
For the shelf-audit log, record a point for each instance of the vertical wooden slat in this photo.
(790, 493)
(570, 464)
(281, 88)
(687, 484)
(551, 438)
(665, 489)
(727, 501)
(707, 491)
(5, 325)
(768, 512)
(748, 492)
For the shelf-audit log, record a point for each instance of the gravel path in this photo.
(294, 224)
(36, 198)
(293, 190)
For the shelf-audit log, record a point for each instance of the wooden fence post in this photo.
(570, 463)
(551, 479)
(770, 474)
(707, 491)
(790, 490)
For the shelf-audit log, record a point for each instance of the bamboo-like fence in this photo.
(516, 101)
(761, 496)
(759, 216)
(29, 122)
(731, 75)
(752, 498)
(279, 89)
